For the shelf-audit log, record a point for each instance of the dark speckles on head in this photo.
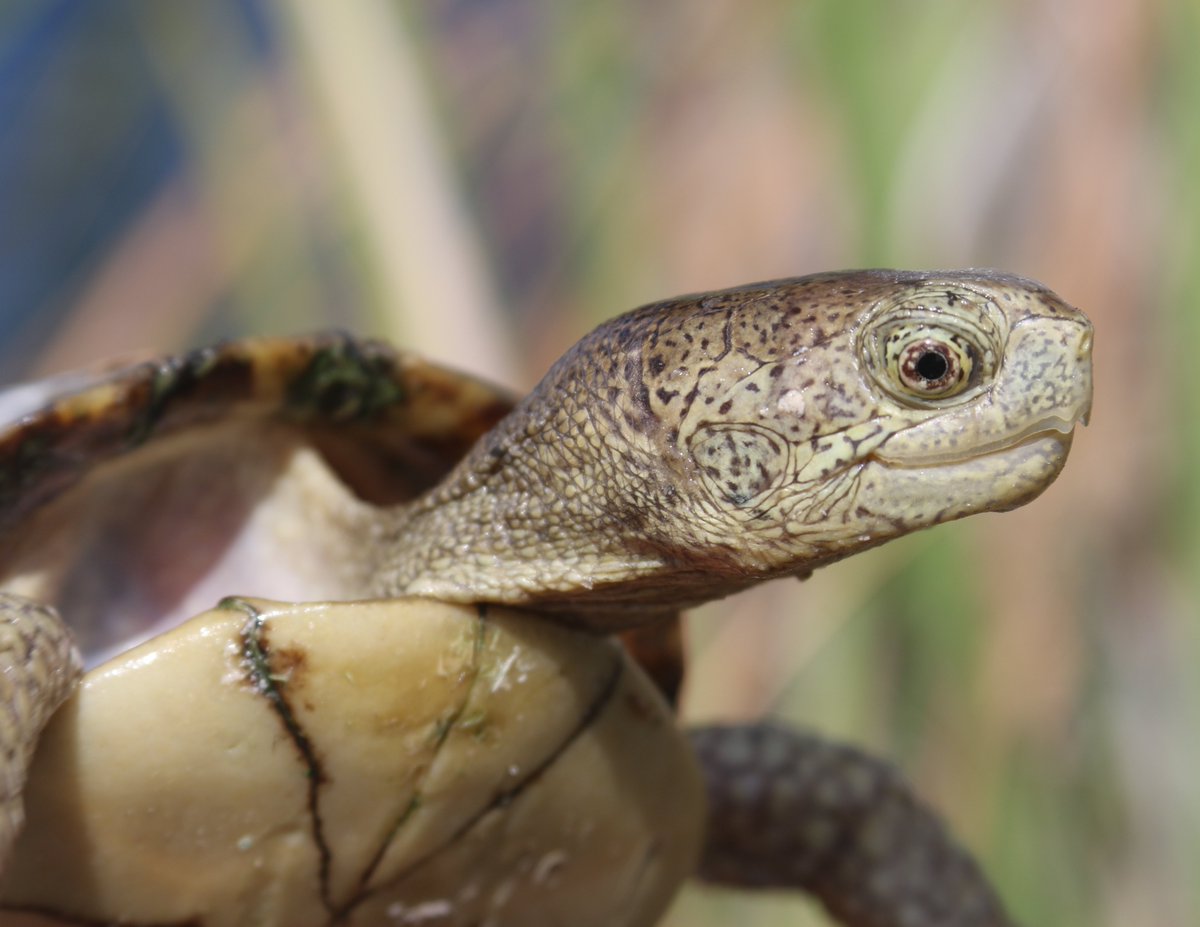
(639, 413)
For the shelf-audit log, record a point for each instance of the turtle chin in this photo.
(1023, 471)
(895, 497)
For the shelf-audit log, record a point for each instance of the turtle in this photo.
(366, 634)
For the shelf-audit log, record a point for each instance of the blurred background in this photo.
(485, 181)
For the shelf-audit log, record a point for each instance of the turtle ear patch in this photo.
(739, 463)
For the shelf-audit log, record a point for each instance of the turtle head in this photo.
(696, 446)
(802, 421)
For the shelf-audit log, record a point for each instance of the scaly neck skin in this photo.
(573, 502)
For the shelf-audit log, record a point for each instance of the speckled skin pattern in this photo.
(696, 446)
(34, 639)
(679, 453)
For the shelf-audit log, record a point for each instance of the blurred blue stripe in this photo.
(87, 139)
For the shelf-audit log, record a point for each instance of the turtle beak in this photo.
(1083, 354)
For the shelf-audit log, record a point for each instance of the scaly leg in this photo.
(39, 667)
(792, 810)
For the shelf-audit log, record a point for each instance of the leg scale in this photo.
(39, 667)
(792, 810)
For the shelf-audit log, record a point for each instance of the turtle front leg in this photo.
(789, 809)
(39, 667)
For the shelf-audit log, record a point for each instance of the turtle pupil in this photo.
(932, 365)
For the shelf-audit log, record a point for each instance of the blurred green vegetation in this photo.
(486, 181)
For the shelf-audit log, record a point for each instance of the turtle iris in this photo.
(926, 361)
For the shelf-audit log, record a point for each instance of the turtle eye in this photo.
(937, 346)
(929, 363)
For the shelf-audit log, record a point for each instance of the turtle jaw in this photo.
(878, 500)
(936, 492)
(1056, 430)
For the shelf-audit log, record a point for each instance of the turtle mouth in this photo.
(1051, 433)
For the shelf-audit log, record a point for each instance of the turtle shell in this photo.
(401, 761)
(170, 464)
(410, 417)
